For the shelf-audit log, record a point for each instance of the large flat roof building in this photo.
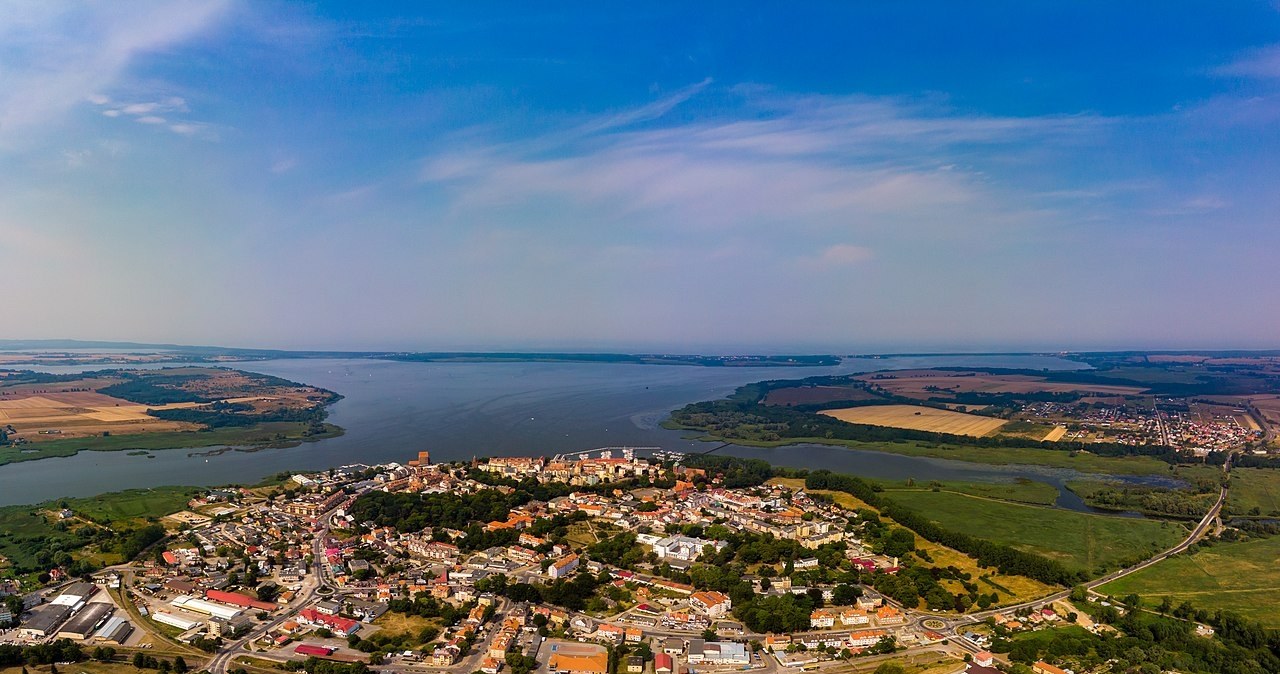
(44, 621)
(84, 623)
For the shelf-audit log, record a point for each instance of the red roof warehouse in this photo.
(243, 601)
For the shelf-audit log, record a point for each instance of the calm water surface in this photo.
(392, 410)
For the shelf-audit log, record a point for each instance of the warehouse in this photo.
(75, 596)
(83, 625)
(44, 621)
(116, 631)
(206, 607)
(174, 621)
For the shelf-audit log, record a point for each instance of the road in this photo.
(221, 660)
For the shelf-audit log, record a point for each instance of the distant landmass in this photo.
(77, 352)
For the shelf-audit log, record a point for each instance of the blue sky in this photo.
(727, 176)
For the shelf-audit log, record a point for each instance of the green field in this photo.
(133, 504)
(1240, 577)
(1254, 488)
(1081, 461)
(1094, 543)
(1021, 490)
(27, 532)
(271, 434)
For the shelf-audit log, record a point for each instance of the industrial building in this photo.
(75, 596)
(174, 621)
(206, 607)
(115, 631)
(44, 621)
(86, 622)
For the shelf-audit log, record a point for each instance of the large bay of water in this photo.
(392, 410)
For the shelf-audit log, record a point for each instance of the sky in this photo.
(677, 177)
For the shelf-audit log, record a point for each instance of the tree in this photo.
(180, 665)
(890, 668)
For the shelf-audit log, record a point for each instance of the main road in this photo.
(310, 587)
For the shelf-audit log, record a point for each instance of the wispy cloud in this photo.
(1261, 63)
(58, 55)
(779, 164)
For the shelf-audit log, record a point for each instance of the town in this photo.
(521, 564)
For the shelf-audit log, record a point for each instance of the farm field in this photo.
(58, 414)
(1254, 488)
(1269, 406)
(810, 395)
(1056, 434)
(1012, 589)
(1092, 543)
(919, 418)
(924, 384)
(1241, 577)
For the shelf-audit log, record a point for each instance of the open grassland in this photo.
(1012, 589)
(269, 434)
(94, 667)
(1254, 491)
(1093, 543)
(1020, 490)
(1081, 461)
(1240, 577)
(27, 531)
(919, 418)
(133, 504)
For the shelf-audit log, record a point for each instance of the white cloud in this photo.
(797, 164)
(284, 165)
(151, 119)
(59, 55)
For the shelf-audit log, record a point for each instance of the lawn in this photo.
(1093, 543)
(1240, 577)
(1254, 488)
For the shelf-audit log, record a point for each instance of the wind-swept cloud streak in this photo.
(58, 55)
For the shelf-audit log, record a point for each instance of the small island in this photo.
(46, 415)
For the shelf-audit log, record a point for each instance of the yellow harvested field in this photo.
(1055, 434)
(62, 414)
(919, 419)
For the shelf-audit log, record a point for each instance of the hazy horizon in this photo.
(721, 178)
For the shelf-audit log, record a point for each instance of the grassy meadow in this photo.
(1242, 577)
(1093, 543)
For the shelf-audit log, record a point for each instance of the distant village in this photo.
(293, 571)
